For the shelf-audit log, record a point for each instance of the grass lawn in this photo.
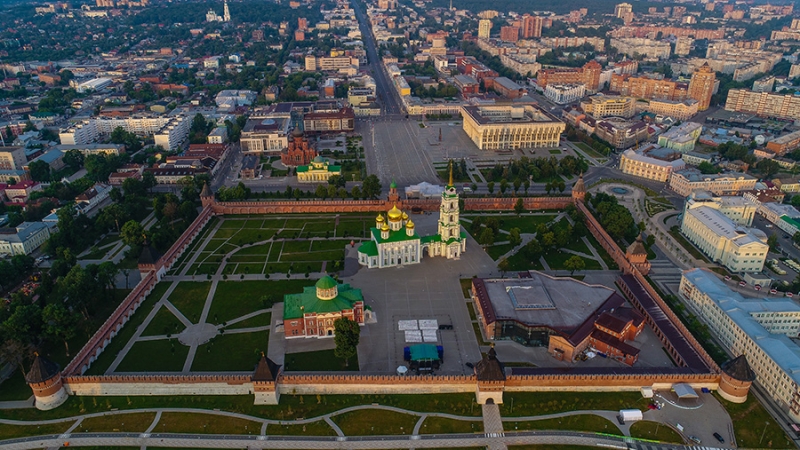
(354, 227)
(318, 428)
(653, 430)
(15, 431)
(164, 322)
(556, 260)
(231, 352)
(260, 320)
(372, 422)
(189, 297)
(555, 152)
(546, 447)
(583, 422)
(466, 285)
(588, 150)
(525, 223)
(496, 251)
(106, 358)
(234, 299)
(290, 408)
(172, 422)
(601, 251)
(578, 245)
(167, 355)
(555, 402)
(443, 425)
(132, 423)
(518, 261)
(749, 419)
(319, 361)
(15, 388)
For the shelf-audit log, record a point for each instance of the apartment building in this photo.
(622, 133)
(522, 64)
(676, 109)
(565, 93)
(511, 127)
(739, 209)
(329, 63)
(169, 128)
(12, 158)
(650, 48)
(484, 28)
(174, 133)
(24, 239)
(722, 240)
(588, 75)
(599, 106)
(758, 328)
(686, 181)
(765, 104)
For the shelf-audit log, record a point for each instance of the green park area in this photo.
(520, 242)
(579, 422)
(655, 431)
(274, 246)
(754, 426)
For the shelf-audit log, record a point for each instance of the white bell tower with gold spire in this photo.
(450, 243)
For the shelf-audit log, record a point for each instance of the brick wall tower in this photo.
(265, 379)
(579, 190)
(44, 378)
(736, 379)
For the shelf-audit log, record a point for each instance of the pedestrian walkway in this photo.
(493, 425)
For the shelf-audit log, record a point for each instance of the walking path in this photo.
(493, 425)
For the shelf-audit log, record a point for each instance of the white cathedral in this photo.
(395, 241)
(211, 15)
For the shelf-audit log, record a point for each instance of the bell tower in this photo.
(449, 226)
(394, 197)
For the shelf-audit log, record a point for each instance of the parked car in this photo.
(727, 278)
(742, 284)
(719, 437)
(695, 439)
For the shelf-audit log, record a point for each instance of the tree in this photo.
(487, 237)
(519, 206)
(490, 186)
(132, 233)
(503, 266)
(60, 323)
(503, 186)
(514, 237)
(321, 192)
(371, 187)
(772, 241)
(40, 170)
(356, 192)
(708, 168)
(346, 337)
(574, 263)
(796, 238)
(337, 180)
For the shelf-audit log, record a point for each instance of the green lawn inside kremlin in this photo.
(289, 246)
(319, 361)
(645, 429)
(581, 422)
(375, 422)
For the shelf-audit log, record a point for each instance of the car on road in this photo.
(769, 225)
(742, 284)
(718, 437)
(773, 291)
(786, 236)
(727, 278)
(695, 439)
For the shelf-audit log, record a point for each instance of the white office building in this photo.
(758, 328)
(565, 93)
(737, 248)
(24, 239)
(739, 209)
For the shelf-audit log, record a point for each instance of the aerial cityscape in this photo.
(384, 224)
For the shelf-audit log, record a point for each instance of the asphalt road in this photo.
(385, 89)
(308, 442)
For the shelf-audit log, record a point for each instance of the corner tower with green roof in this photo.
(311, 313)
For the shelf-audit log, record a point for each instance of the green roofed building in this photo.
(318, 171)
(395, 241)
(311, 313)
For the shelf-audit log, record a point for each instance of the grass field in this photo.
(373, 422)
(443, 425)
(234, 299)
(15, 431)
(172, 422)
(260, 320)
(189, 297)
(124, 423)
(581, 422)
(552, 402)
(652, 430)
(317, 428)
(750, 420)
(166, 355)
(588, 150)
(106, 358)
(319, 361)
(231, 352)
(15, 388)
(163, 323)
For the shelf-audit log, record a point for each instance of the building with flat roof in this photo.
(739, 209)
(783, 144)
(682, 137)
(723, 241)
(599, 106)
(761, 329)
(686, 181)
(329, 121)
(511, 127)
(765, 104)
(622, 133)
(94, 149)
(268, 135)
(541, 311)
(641, 164)
(12, 158)
(508, 88)
(564, 93)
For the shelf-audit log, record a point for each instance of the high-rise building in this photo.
(683, 45)
(509, 34)
(531, 26)
(226, 14)
(484, 28)
(623, 9)
(702, 86)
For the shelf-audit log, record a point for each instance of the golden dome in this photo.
(385, 227)
(409, 224)
(395, 214)
(380, 218)
(405, 216)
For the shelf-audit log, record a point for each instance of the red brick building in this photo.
(299, 152)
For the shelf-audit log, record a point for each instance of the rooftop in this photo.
(722, 226)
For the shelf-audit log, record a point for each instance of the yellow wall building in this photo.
(318, 171)
(511, 127)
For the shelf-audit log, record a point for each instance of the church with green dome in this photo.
(395, 242)
(318, 171)
(311, 314)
